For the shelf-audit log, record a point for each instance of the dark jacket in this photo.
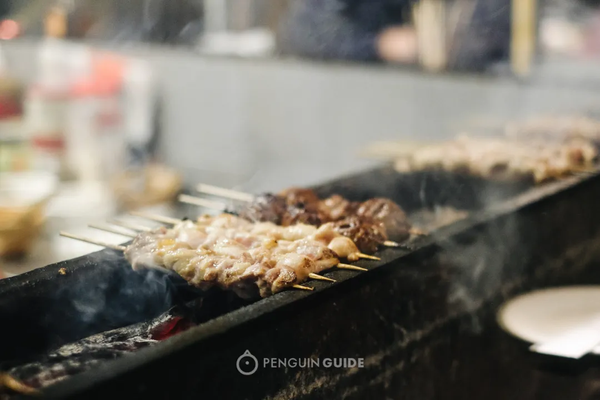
(347, 29)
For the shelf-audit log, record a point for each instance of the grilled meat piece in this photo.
(336, 207)
(299, 196)
(367, 235)
(265, 208)
(302, 207)
(388, 214)
(303, 214)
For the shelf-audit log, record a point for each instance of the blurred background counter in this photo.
(201, 99)
(262, 124)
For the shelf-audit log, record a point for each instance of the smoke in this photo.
(105, 293)
(486, 261)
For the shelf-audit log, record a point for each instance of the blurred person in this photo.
(380, 30)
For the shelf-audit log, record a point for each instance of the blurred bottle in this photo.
(13, 144)
(95, 141)
(46, 100)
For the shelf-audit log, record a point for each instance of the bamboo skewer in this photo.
(320, 277)
(350, 267)
(222, 192)
(111, 230)
(157, 218)
(92, 241)
(131, 226)
(368, 257)
(123, 248)
(198, 201)
(302, 287)
(17, 386)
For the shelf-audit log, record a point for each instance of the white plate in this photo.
(542, 315)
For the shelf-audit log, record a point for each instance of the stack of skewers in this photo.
(266, 245)
(540, 150)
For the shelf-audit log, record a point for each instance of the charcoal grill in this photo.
(422, 318)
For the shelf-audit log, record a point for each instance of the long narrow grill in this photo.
(409, 303)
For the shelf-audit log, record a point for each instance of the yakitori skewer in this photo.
(173, 221)
(123, 248)
(217, 206)
(119, 232)
(306, 206)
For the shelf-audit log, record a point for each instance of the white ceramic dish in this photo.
(543, 315)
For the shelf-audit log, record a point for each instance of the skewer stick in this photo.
(416, 231)
(303, 287)
(320, 277)
(157, 218)
(351, 267)
(111, 230)
(197, 201)
(222, 192)
(128, 225)
(17, 386)
(369, 257)
(92, 241)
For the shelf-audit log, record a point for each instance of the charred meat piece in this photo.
(388, 214)
(299, 196)
(367, 235)
(302, 207)
(303, 214)
(265, 208)
(336, 207)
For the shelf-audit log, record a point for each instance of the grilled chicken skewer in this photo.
(367, 236)
(156, 218)
(269, 267)
(133, 236)
(124, 248)
(238, 255)
(239, 230)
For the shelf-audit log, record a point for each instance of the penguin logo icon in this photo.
(247, 364)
